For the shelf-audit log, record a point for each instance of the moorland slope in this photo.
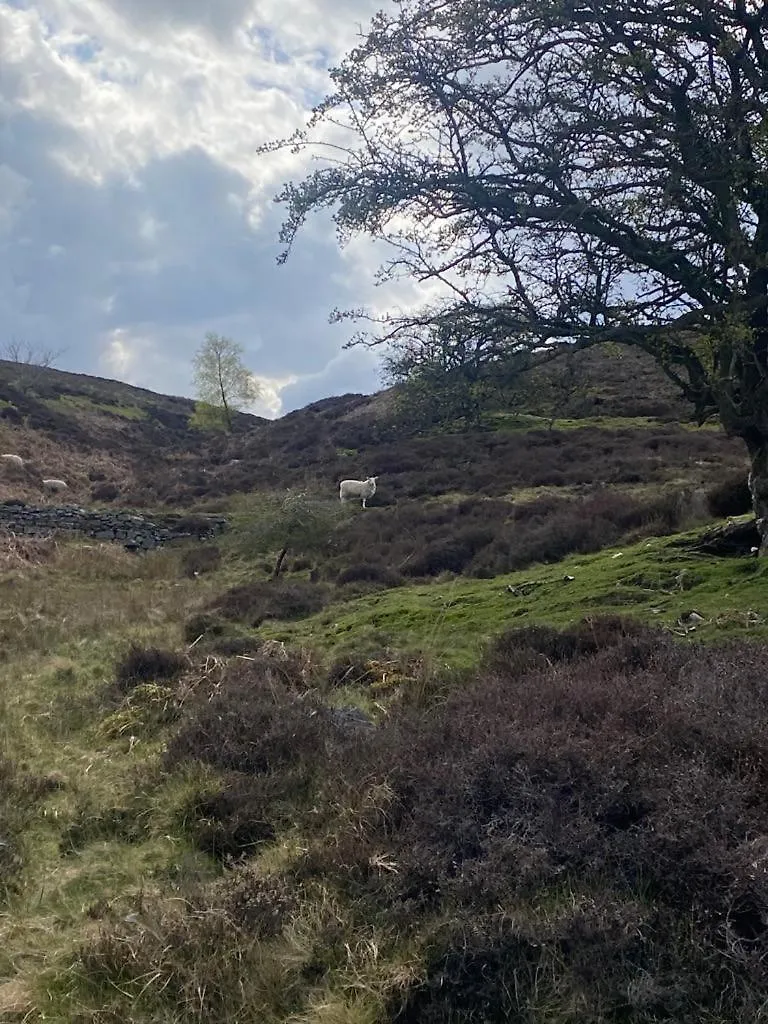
(494, 750)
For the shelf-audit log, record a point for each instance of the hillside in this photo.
(87, 430)
(492, 749)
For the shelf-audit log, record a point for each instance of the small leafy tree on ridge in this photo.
(222, 382)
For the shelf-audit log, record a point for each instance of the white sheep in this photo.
(362, 489)
(55, 485)
(16, 460)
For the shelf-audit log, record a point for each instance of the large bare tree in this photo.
(571, 171)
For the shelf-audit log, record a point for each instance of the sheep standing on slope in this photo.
(55, 485)
(15, 460)
(362, 489)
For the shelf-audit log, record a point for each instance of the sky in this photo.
(135, 213)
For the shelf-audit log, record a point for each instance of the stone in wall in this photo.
(135, 532)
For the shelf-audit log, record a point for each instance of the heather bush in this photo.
(232, 646)
(604, 763)
(254, 602)
(201, 559)
(261, 718)
(266, 730)
(203, 624)
(541, 645)
(260, 904)
(367, 572)
(480, 462)
(234, 822)
(147, 665)
(489, 536)
(105, 492)
(549, 528)
(452, 555)
(580, 824)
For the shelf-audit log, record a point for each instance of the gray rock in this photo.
(351, 718)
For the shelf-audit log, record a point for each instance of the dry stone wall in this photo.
(135, 532)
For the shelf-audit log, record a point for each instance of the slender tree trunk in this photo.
(279, 563)
(223, 393)
(227, 413)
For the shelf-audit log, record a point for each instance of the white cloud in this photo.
(132, 357)
(119, 356)
(270, 403)
(13, 195)
(134, 209)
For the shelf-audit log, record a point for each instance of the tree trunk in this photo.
(758, 488)
(227, 413)
(279, 563)
(224, 404)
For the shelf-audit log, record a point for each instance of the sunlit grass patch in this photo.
(455, 619)
(86, 404)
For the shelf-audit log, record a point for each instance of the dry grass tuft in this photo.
(25, 552)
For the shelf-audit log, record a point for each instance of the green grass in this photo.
(86, 404)
(64, 623)
(652, 580)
